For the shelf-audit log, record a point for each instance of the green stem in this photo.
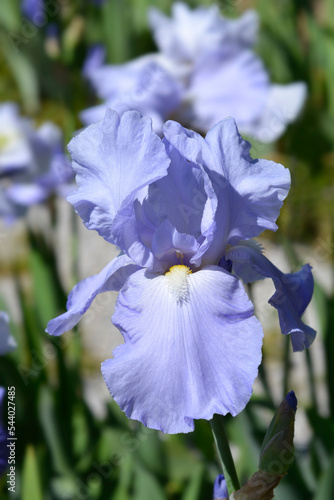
(286, 365)
(224, 452)
(311, 378)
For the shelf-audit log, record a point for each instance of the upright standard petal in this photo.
(114, 159)
(7, 342)
(293, 292)
(283, 106)
(250, 192)
(142, 85)
(112, 277)
(227, 82)
(244, 29)
(192, 347)
(185, 197)
(188, 33)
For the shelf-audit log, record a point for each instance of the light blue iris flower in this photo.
(32, 162)
(142, 84)
(179, 208)
(205, 70)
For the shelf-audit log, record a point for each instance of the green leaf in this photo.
(31, 480)
(44, 291)
(22, 70)
(146, 487)
(193, 490)
(116, 22)
(120, 494)
(325, 488)
(150, 450)
(51, 431)
(10, 15)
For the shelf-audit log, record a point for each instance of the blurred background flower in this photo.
(205, 71)
(34, 165)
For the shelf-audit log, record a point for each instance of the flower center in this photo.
(177, 282)
(7, 139)
(4, 140)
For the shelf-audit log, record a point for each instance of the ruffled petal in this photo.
(188, 33)
(250, 192)
(293, 292)
(228, 82)
(114, 159)
(192, 348)
(7, 342)
(284, 104)
(112, 277)
(142, 85)
(244, 29)
(186, 198)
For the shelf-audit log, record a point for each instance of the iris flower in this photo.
(32, 162)
(180, 209)
(142, 84)
(206, 69)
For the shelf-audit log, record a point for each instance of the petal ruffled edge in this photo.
(112, 277)
(293, 292)
(187, 359)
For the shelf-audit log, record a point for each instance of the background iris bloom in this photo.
(205, 71)
(32, 162)
(174, 207)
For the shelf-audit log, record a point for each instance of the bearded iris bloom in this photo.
(206, 69)
(176, 207)
(32, 162)
(143, 85)
(224, 75)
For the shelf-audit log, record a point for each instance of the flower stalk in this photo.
(224, 452)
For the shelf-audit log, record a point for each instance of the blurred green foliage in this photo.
(63, 450)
